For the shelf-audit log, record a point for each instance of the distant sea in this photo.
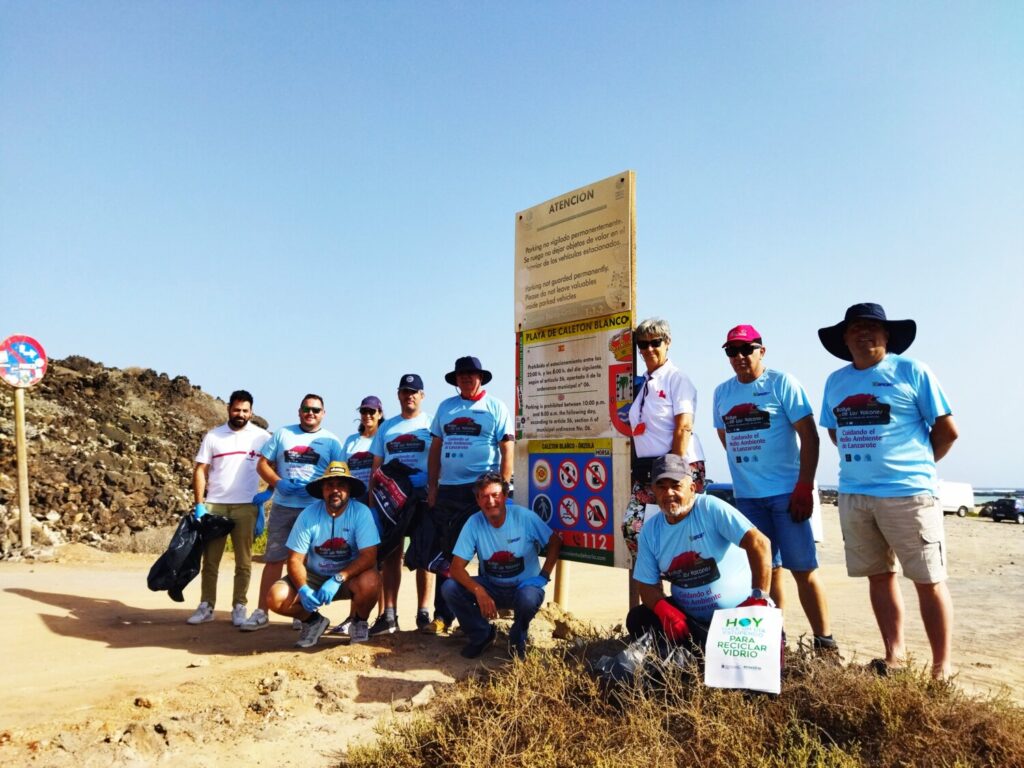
(981, 495)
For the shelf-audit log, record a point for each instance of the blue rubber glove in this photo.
(262, 497)
(308, 598)
(327, 591)
(199, 511)
(540, 581)
(261, 522)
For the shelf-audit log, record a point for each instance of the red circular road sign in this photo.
(596, 513)
(569, 511)
(22, 361)
(568, 474)
(595, 474)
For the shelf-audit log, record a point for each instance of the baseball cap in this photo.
(742, 333)
(410, 381)
(372, 401)
(671, 466)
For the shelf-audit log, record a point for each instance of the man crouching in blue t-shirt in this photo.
(332, 554)
(506, 539)
(710, 554)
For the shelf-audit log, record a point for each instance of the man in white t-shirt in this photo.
(224, 482)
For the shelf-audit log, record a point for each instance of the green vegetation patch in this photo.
(547, 712)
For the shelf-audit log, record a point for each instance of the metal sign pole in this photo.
(19, 440)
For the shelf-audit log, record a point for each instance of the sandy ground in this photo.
(98, 671)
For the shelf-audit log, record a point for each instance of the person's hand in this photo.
(262, 497)
(328, 590)
(308, 598)
(766, 602)
(487, 607)
(199, 511)
(540, 581)
(673, 621)
(801, 503)
(261, 522)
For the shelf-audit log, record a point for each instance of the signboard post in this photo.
(575, 293)
(22, 365)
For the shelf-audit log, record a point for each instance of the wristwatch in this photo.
(760, 594)
(339, 578)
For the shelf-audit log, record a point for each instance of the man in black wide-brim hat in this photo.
(891, 421)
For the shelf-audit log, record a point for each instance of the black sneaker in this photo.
(384, 626)
(473, 650)
(422, 618)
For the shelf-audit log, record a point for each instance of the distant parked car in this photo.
(1008, 509)
(724, 492)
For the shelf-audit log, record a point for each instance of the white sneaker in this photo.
(359, 632)
(238, 615)
(343, 628)
(258, 620)
(203, 614)
(311, 631)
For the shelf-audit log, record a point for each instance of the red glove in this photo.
(801, 503)
(766, 602)
(673, 621)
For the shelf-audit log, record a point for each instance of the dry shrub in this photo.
(546, 712)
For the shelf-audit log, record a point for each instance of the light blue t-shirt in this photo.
(758, 419)
(301, 456)
(699, 556)
(355, 451)
(331, 543)
(508, 554)
(471, 431)
(883, 417)
(407, 440)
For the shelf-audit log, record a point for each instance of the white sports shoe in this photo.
(238, 615)
(258, 620)
(203, 614)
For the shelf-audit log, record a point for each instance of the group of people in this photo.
(884, 411)
(891, 423)
(324, 533)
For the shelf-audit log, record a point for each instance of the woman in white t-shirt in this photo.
(661, 419)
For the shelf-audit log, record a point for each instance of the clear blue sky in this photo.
(320, 196)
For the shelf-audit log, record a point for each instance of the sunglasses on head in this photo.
(743, 349)
(310, 409)
(645, 343)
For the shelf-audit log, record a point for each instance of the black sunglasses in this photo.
(310, 409)
(367, 411)
(743, 349)
(644, 343)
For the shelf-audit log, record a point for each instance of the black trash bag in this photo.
(177, 566)
(397, 502)
(645, 661)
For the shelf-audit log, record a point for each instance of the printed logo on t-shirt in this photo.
(464, 425)
(360, 461)
(407, 443)
(302, 454)
(690, 570)
(503, 565)
(336, 550)
(857, 410)
(746, 417)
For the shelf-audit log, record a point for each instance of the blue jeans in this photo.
(525, 602)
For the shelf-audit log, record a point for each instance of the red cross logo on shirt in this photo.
(661, 393)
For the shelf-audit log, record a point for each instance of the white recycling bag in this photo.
(744, 649)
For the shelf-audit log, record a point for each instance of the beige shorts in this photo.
(877, 531)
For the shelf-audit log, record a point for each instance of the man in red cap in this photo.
(759, 414)
(891, 421)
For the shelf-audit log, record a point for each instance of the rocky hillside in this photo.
(109, 451)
